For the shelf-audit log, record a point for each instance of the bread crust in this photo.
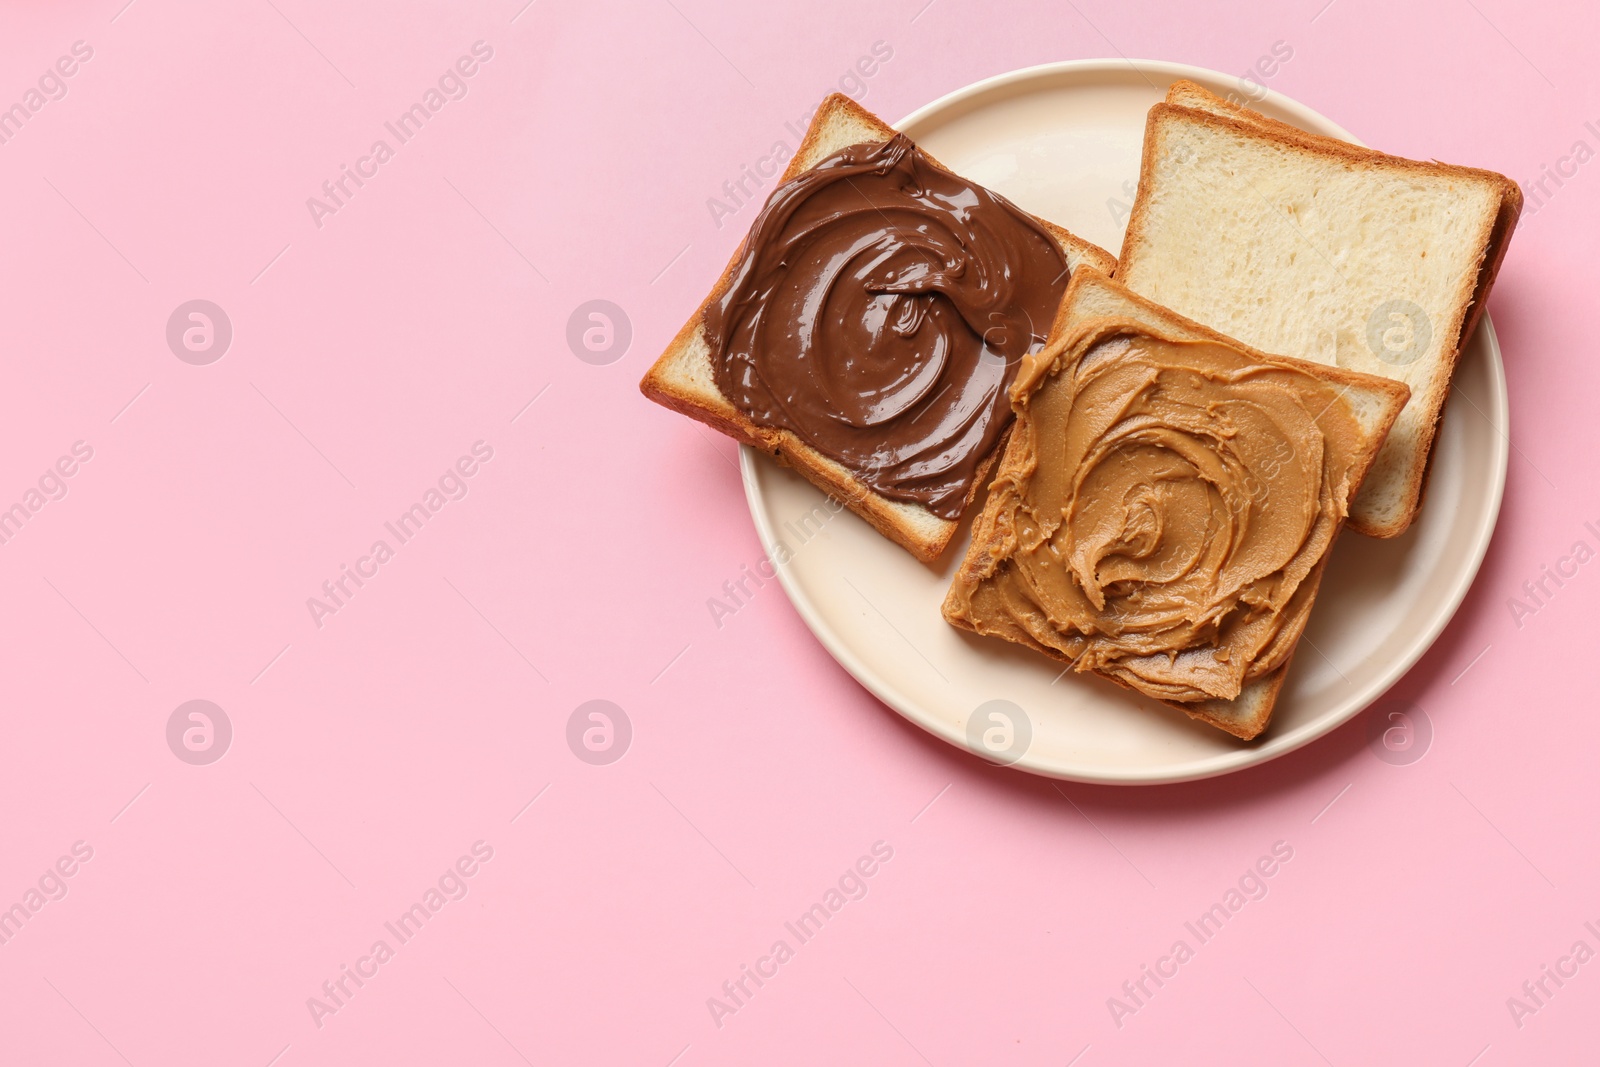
(893, 519)
(1493, 237)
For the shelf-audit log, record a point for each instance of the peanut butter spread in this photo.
(1162, 511)
(879, 310)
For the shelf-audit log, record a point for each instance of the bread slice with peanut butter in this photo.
(698, 374)
(1166, 504)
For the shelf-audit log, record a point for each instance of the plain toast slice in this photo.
(1317, 248)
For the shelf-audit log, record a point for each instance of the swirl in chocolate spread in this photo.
(879, 310)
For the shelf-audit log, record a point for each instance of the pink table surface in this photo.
(423, 716)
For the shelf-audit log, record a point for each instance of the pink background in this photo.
(372, 752)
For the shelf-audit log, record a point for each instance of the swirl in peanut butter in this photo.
(879, 310)
(1168, 509)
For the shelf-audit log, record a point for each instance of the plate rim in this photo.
(1217, 764)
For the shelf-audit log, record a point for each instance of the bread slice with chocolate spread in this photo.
(685, 380)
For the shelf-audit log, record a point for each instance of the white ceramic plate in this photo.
(1063, 141)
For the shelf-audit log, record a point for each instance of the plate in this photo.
(1063, 141)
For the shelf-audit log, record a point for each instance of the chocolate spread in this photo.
(879, 309)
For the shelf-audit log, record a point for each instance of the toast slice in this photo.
(1317, 248)
(1094, 304)
(683, 378)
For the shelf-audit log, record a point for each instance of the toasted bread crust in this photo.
(1493, 238)
(888, 517)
